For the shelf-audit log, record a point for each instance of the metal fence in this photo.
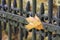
(9, 16)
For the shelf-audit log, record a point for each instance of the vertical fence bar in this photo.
(28, 9)
(41, 37)
(9, 5)
(14, 28)
(21, 32)
(15, 6)
(25, 34)
(9, 27)
(21, 13)
(28, 6)
(33, 14)
(9, 31)
(0, 4)
(34, 7)
(42, 12)
(0, 31)
(42, 9)
(4, 23)
(3, 3)
(16, 31)
(49, 36)
(3, 8)
(50, 10)
(33, 34)
(50, 14)
(21, 7)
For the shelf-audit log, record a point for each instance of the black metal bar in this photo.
(34, 7)
(42, 9)
(0, 6)
(50, 10)
(58, 16)
(21, 7)
(0, 31)
(21, 32)
(25, 34)
(3, 8)
(3, 2)
(33, 34)
(9, 5)
(16, 30)
(42, 12)
(49, 35)
(50, 16)
(28, 6)
(41, 35)
(3, 5)
(15, 6)
(33, 14)
(4, 23)
(9, 31)
(28, 9)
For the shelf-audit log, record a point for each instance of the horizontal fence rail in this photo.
(15, 18)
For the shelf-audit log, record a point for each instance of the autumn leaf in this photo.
(34, 22)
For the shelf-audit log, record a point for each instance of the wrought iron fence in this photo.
(9, 16)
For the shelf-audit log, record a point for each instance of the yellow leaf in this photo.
(34, 22)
